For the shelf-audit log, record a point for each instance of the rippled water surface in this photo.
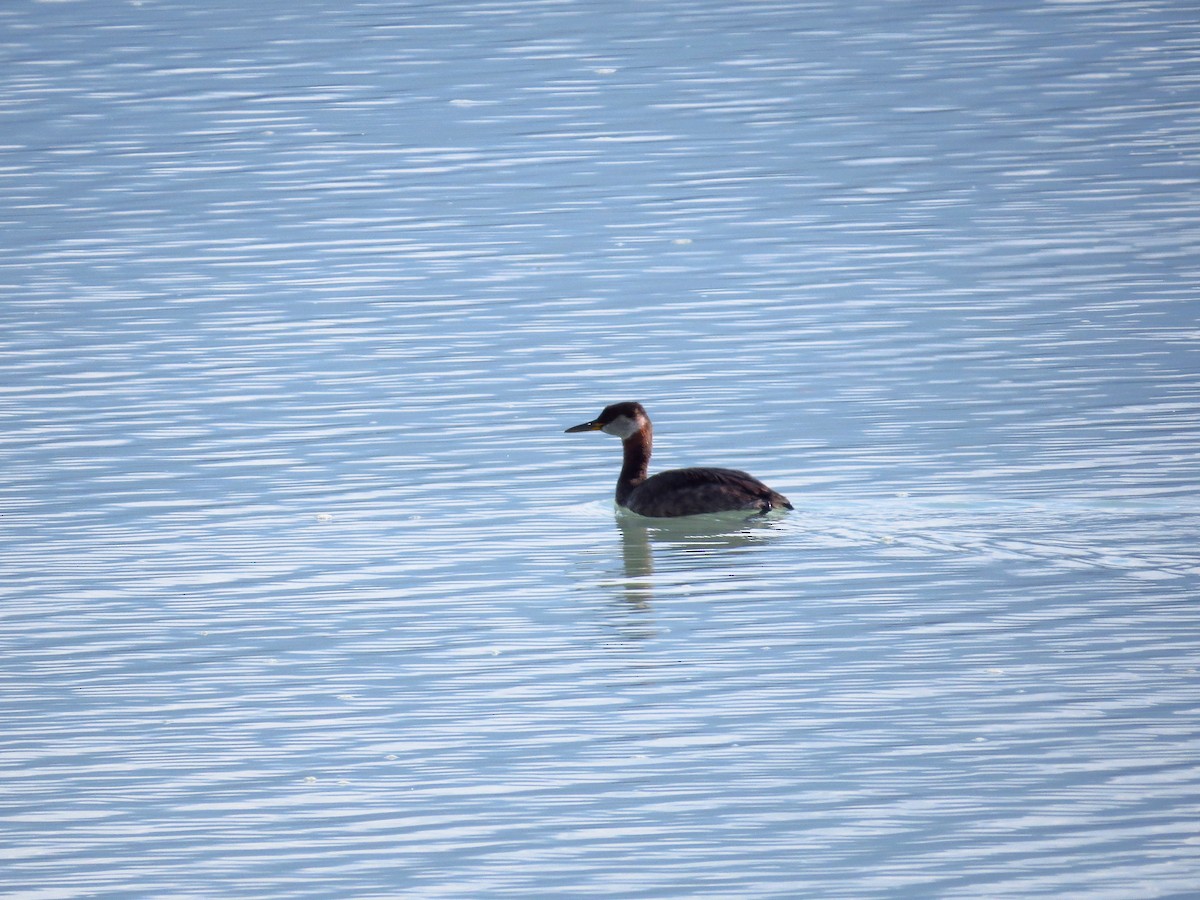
(306, 594)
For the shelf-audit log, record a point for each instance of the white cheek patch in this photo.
(622, 427)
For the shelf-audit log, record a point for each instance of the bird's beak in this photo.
(586, 426)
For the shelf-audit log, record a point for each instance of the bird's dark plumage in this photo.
(677, 492)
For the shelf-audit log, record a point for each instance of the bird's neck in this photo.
(637, 458)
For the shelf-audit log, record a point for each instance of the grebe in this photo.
(678, 492)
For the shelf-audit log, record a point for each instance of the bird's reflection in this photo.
(702, 540)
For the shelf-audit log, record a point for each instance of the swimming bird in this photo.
(677, 492)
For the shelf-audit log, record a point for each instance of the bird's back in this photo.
(687, 492)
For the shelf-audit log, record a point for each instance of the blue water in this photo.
(304, 592)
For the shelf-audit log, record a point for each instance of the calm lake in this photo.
(304, 593)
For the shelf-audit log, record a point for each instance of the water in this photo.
(306, 594)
